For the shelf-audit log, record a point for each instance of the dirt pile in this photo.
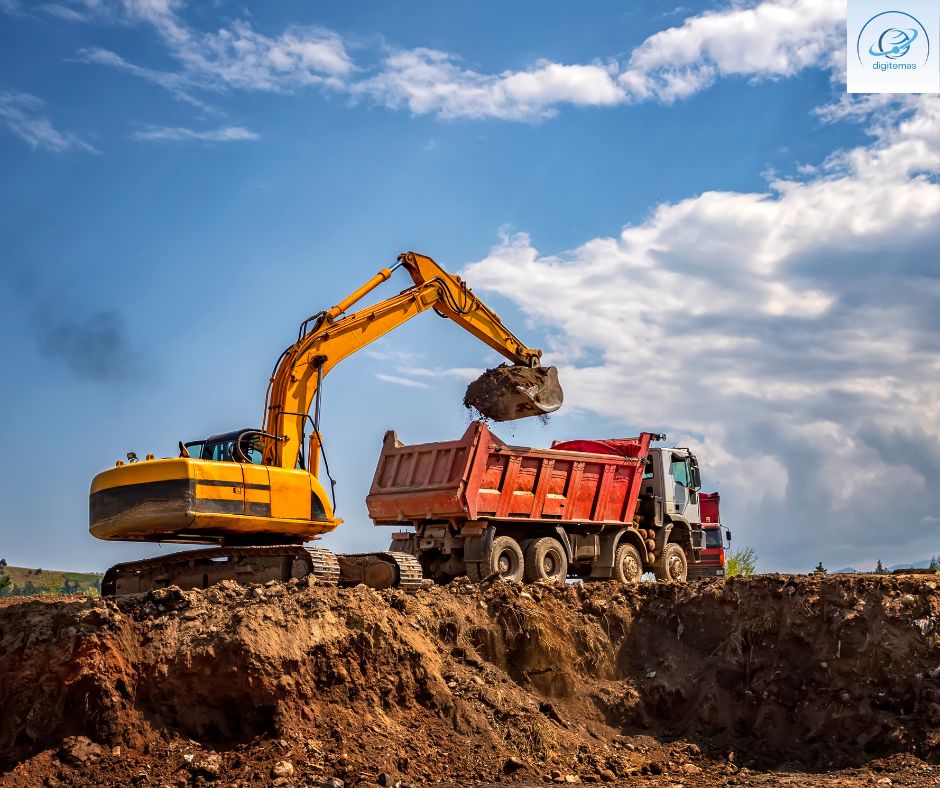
(505, 393)
(301, 684)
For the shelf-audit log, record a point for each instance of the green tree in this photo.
(5, 583)
(741, 563)
(934, 564)
(3, 561)
(820, 569)
(879, 569)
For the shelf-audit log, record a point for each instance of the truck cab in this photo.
(670, 498)
(713, 552)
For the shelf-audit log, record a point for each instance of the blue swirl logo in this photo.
(893, 43)
(900, 35)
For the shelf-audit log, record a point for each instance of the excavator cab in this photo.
(238, 446)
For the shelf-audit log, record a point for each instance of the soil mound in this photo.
(299, 684)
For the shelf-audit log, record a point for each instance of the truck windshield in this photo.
(712, 537)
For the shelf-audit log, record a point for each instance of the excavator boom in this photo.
(329, 337)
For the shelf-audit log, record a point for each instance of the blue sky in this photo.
(679, 204)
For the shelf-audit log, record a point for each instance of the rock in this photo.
(208, 763)
(550, 711)
(79, 749)
(607, 776)
(280, 781)
(691, 768)
(283, 769)
(332, 782)
(884, 781)
(386, 780)
(512, 765)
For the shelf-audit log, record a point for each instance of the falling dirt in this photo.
(506, 392)
(758, 681)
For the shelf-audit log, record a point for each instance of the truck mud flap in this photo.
(476, 549)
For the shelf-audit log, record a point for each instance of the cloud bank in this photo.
(768, 40)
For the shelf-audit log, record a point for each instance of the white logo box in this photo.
(893, 48)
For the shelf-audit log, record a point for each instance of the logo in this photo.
(893, 41)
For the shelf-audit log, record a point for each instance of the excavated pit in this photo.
(708, 682)
(505, 393)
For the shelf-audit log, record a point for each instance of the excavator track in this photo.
(247, 565)
(389, 569)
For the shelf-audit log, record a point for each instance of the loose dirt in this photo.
(505, 392)
(768, 680)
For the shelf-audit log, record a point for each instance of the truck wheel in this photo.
(545, 559)
(505, 558)
(672, 565)
(628, 566)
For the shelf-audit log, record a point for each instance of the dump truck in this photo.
(255, 494)
(713, 552)
(591, 509)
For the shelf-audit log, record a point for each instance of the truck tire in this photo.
(628, 566)
(672, 565)
(505, 557)
(545, 559)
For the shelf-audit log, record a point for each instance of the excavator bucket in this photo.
(505, 393)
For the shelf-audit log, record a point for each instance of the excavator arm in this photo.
(329, 337)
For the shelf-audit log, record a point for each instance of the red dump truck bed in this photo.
(479, 477)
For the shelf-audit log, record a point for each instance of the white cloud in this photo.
(238, 56)
(24, 115)
(427, 81)
(790, 334)
(177, 134)
(177, 84)
(775, 38)
(771, 39)
(400, 381)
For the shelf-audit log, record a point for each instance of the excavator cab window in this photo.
(243, 446)
(195, 448)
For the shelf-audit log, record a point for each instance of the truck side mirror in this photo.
(728, 536)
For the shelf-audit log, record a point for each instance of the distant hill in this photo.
(851, 570)
(26, 582)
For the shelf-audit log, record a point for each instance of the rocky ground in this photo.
(770, 680)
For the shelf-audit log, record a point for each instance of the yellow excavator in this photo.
(255, 493)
